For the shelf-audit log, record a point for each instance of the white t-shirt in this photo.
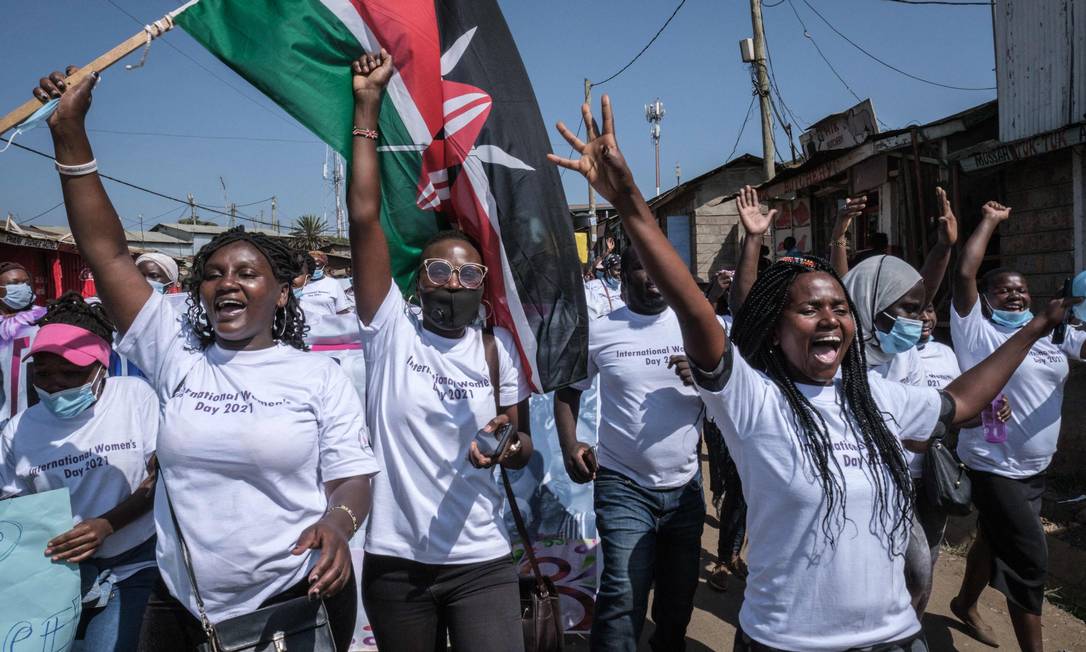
(908, 368)
(650, 423)
(803, 594)
(426, 398)
(100, 456)
(1035, 392)
(323, 297)
(247, 441)
(602, 300)
(940, 364)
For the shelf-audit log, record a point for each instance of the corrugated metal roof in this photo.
(1040, 65)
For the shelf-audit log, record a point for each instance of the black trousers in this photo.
(413, 606)
(915, 643)
(1009, 511)
(169, 627)
(724, 479)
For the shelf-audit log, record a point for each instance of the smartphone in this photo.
(590, 460)
(1060, 332)
(494, 443)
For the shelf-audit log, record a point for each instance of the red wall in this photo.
(41, 264)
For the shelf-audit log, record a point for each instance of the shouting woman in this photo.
(264, 461)
(816, 439)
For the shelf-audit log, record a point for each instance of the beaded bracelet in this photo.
(354, 521)
(364, 133)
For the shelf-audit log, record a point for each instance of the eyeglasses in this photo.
(440, 272)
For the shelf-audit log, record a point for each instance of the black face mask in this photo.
(451, 311)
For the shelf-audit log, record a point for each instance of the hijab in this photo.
(874, 285)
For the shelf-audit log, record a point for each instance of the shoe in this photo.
(718, 577)
(983, 633)
(738, 568)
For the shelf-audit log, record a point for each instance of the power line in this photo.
(202, 207)
(203, 136)
(41, 214)
(891, 67)
(742, 128)
(647, 45)
(807, 34)
(203, 67)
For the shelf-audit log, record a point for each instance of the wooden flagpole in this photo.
(133, 43)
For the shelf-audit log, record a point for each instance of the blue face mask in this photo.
(318, 274)
(902, 337)
(36, 119)
(297, 292)
(1010, 318)
(157, 286)
(611, 282)
(70, 403)
(18, 295)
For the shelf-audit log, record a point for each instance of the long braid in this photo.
(753, 333)
(289, 324)
(70, 308)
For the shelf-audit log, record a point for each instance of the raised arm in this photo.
(369, 249)
(756, 224)
(853, 207)
(95, 225)
(603, 165)
(935, 264)
(965, 279)
(975, 389)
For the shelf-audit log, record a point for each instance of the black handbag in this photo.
(946, 483)
(296, 625)
(540, 610)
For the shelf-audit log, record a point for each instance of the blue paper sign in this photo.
(39, 598)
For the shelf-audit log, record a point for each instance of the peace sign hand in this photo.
(601, 161)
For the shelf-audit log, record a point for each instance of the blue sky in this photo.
(694, 68)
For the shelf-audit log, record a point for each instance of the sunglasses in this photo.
(440, 272)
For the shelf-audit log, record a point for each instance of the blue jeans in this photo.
(116, 626)
(648, 536)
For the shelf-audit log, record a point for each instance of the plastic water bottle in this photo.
(995, 431)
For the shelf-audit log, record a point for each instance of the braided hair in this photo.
(71, 309)
(289, 324)
(753, 332)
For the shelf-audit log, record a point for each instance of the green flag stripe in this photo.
(299, 55)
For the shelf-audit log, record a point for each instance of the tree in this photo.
(309, 232)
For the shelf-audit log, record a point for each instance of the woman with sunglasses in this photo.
(437, 553)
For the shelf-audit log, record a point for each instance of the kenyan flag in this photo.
(462, 142)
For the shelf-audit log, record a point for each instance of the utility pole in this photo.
(654, 113)
(762, 75)
(337, 183)
(233, 215)
(591, 190)
(678, 174)
(141, 228)
(275, 213)
(192, 209)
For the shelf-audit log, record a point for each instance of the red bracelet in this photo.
(365, 133)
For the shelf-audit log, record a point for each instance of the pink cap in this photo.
(76, 345)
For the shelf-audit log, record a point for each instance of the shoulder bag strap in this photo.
(205, 622)
(490, 346)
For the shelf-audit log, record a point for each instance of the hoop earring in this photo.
(488, 310)
(282, 324)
